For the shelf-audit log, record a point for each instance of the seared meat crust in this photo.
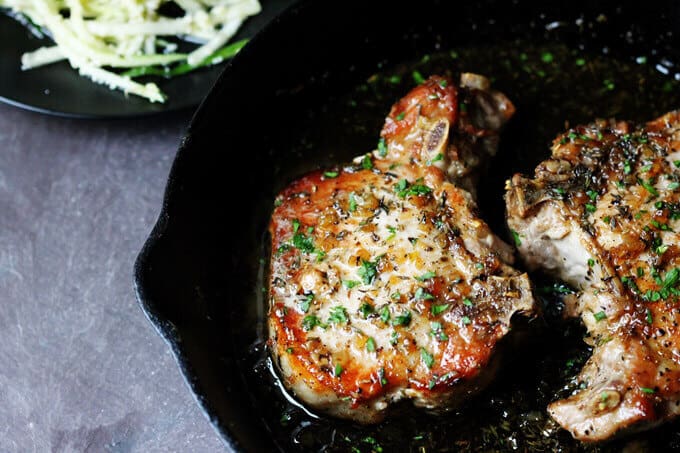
(602, 214)
(384, 284)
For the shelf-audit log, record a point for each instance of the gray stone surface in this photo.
(81, 369)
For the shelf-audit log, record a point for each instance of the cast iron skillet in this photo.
(199, 275)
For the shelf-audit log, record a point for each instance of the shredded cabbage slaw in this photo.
(113, 42)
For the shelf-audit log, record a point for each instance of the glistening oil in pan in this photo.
(552, 86)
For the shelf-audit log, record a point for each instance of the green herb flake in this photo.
(338, 315)
(606, 219)
(421, 294)
(648, 186)
(516, 237)
(381, 376)
(365, 310)
(627, 168)
(592, 194)
(349, 284)
(466, 320)
(382, 147)
(590, 208)
(468, 303)
(547, 57)
(385, 314)
(556, 289)
(370, 344)
(417, 77)
(402, 320)
(648, 316)
(647, 390)
(337, 371)
(311, 321)
(580, 62)
(296, 225)
(289, 350)
(443, 83)
(400, 116)
(303, 243)
(439, 309)
(608, 84)
(331, 174)
(426, 357)
(600, 316)
(352, 202)
(394, 79)
(368, 271)
(366, 162)
(437, 332)
(426, 276)
(306, 302)
(393, 233)
(591, 262)
(436, 158)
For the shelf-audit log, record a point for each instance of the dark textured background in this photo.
(81, 369)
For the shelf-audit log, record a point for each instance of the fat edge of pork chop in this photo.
(602, 214)
(384, 284)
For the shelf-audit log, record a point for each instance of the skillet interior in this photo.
(199, 276)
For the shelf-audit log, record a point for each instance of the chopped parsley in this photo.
(591, 262)
(368, 271)
(590, 208)
(421, 294)
(516, 237)
(337, 371)
(438, 309)
(647, 390)
(366, 162)
(385, 314)
(648, 316)
(402, 320)
(426, 357)
(592, 194)
(366, 309)
(467, 302)
(400, 116)
(338, 315)
(370, 344)
(349, 284)
(600, 316)
(306, 302)
(437, 332)
(404, 189)
(426, 276)
(382, 147)
(381, 376)
(436, 158)
(311, 321)
(466, 320)
(352, 202)
(627, 168)
(393, 233)
(443, 83)
(580, 62)
(331, 174)
(648, 186)
(296, 225)
(417, 77)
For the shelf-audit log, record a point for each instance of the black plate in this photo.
(58, 89)
(199, 276)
